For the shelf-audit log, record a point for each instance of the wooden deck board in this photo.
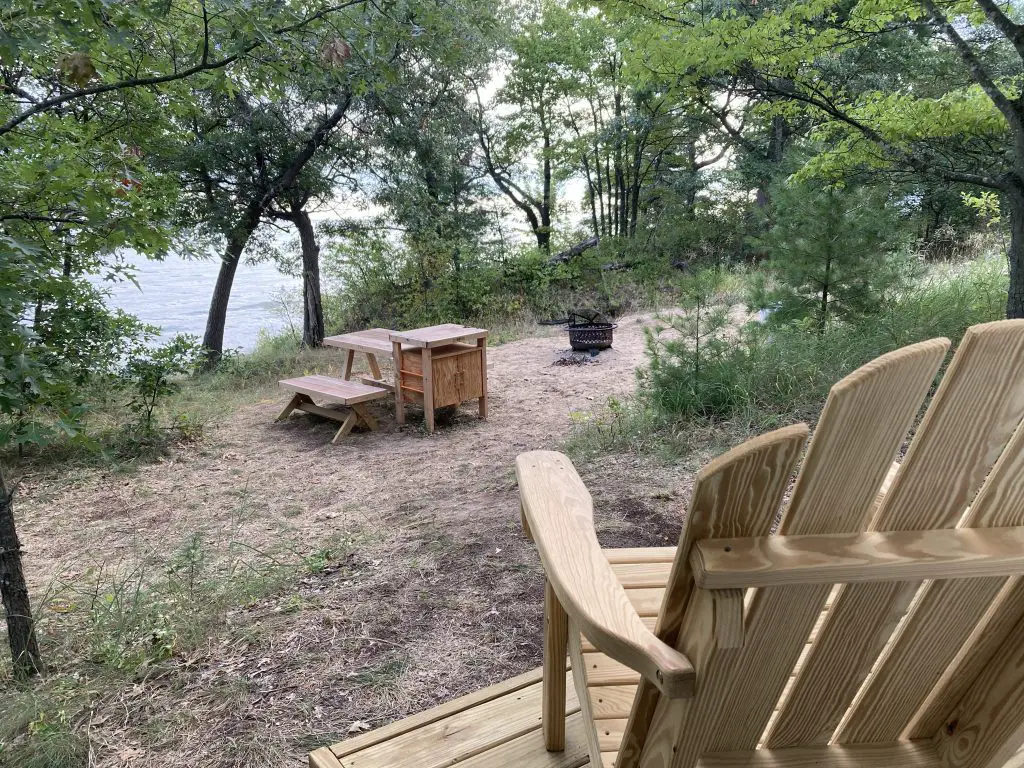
(496, 726)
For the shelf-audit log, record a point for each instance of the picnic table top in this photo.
(373, 341)
(438, 335)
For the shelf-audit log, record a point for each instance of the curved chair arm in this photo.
(559, 512)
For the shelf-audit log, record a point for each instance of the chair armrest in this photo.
(560, 514)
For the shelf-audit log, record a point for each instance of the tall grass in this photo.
(760, 377)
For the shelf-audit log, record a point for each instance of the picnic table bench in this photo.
(351, 394)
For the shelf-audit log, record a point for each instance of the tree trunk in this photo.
(313, 310)
(20, 628)
(213, 338)
(1015, 256)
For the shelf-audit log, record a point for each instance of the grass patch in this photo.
(708, 380)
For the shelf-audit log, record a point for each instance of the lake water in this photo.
(175, 295)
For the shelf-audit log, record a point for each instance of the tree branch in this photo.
(976, 69)
(204, 65)
(1013, 32)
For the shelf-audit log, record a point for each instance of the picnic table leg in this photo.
(399, 405)
(294, 403)
(346, 426)
(428, 389)
(350, 355)
(365, 416)
(374, 368)
(482, 402)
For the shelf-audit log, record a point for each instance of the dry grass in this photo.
(265, 590)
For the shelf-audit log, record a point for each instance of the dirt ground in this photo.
(428, 587)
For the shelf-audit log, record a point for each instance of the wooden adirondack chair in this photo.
(882, 627)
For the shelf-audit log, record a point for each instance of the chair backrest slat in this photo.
(740, 493)
(986, 728)
(942, 621)
(975, 411)
(860, 431)
(861, 428)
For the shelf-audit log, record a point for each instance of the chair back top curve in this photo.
(866, 674)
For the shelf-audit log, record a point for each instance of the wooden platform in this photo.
(497, 727)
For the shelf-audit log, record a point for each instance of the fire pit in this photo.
(586, 333)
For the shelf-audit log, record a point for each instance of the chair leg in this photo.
(365, 416)
(346, 426)
(556, 638)
(294, 403)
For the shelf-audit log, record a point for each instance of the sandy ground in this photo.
(429, 590)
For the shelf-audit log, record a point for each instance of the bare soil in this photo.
(427, 587)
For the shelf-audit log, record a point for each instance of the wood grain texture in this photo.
(451, 739)
(436, 714)
(971, 419)
(769, 561)
(918, 754)
(988, 635)
(986, 728)
(728, 605)
(947, 615)
(581, 677)
(859, 624)
(641, 554)
(375, 341)
(560, 513)
(611, 701)
(323, 758)
(865, 419)
(438, 335)
(556, 649)
(737, 494)
(940, 624)
(334, 390)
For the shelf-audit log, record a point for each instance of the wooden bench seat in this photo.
(350, 394)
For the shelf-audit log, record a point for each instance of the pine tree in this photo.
(829, 252)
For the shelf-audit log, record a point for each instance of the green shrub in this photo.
(772, 373)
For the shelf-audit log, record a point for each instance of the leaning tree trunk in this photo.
(213, 338)
(20, 628)
(1015, 256)
(313, 309)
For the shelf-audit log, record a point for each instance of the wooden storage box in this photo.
(456, 370)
